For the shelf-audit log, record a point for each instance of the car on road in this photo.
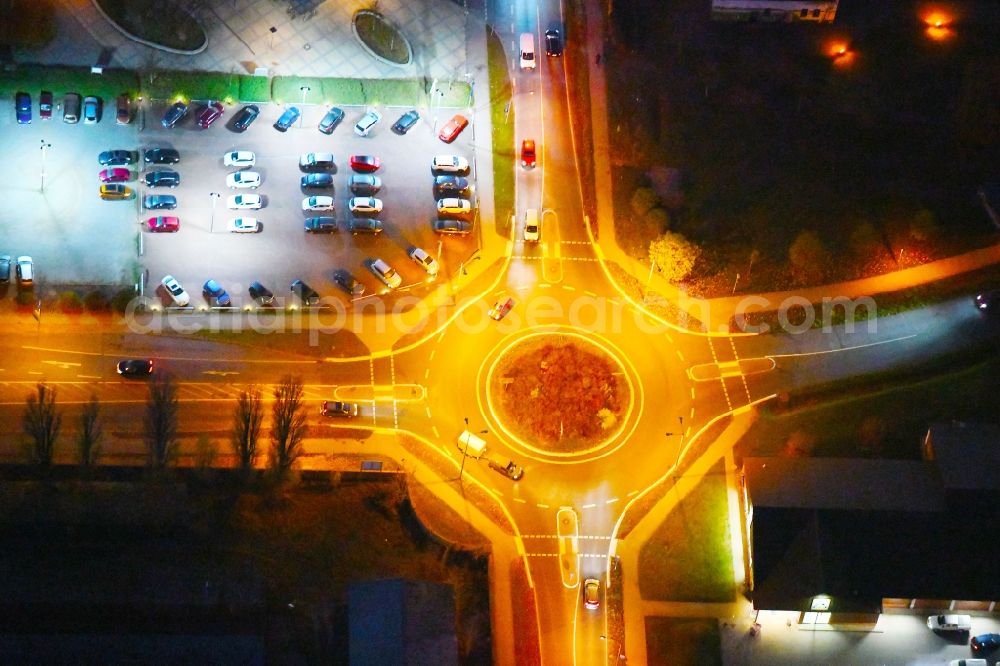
(339, 409)
(988, 301)
(985, 643)
(346, 281)
(364, 184)
(453, 128)
(453, 206)
(176, 291)
(406, 122)
(528, 153)
(950, 622)
(501, 308)
(159, 202)
(240, 159)
(115, 192)
(71, 108)
(215, 294)
(449, 164)
(305, 292)
(532, 226)
(317, 203)
(317, 181)
(365, 163)
(114, 175)
(421, 258)
(244, 225)
(4, 268)
(244, 202)
(173, 115)
(116, 158)
(209, 113)
(244, 119)
(365, 205)
(123, 110)
(365, 225)
(260, 293)
(22, 108)
(91, 110)
(25, 270)
(135, 367)
(163, 223)
(162, 179)
(287, 119)
(320, 225)
(243, 180)
(450, 227)
(386, 273)
(45, 105)
(591, 593)
(367, 122)
(162, 156)
(553, 43)
(330, 121)
(453, 184)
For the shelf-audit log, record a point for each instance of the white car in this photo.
(453, 206)
(386, 273)
(367, 122)
(317, 203)
(950, 622)
(424, 260)
(243, 179)
(365, 205)
(449, 164)
(240, 159)
(176, 291)
(244, 225)
(244, 202)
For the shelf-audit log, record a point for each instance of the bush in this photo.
(643, 200)
(121, 299)
(255, 89)
(808, 258)
(381, 37)
(70, 302)
(95, 301)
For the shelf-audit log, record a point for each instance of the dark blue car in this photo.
(22, 101)
(174, 114)
(287, 119)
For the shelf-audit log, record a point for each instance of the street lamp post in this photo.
(466, 448)
(305, 90)
(44, 146)
(215, 199)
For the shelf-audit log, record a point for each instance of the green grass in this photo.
(502, 118)
(690, 557)
(382, 38)
(365, 92)
(61, 80)
(192, 85)
(254, 89)
(687, 641)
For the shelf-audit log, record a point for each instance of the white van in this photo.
(532, 227)
(471, 445)
(527, 50)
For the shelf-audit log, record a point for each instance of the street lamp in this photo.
(44, 146)
(466, 448)
(305, 90)
(215, 199)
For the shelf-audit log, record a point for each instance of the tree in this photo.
(643, 200)
(247, 419)
(288, 425)
(42, 422)
(674, 255)
(89, 439)
(808, 258)
(161, 420)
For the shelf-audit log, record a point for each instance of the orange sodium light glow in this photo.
(938, 25)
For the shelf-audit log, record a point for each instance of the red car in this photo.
(209, 114)
(453, 128)
(365, 163)
(45, 105)
(528, 153)
(115, 175)
(163, 223)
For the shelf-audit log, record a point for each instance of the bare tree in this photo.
(247, 419)
(89, 439)
(42, 422)
(288, 425)
(161, 420)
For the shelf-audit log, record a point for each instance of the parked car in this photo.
(424, 260)
(135, 367)
(159, 202)
(338, 409)
(162, 179)
(364, 184)
(365, 205)
(321, 225)
(331, 120)
(22, 108)
(114, 175)
(244, 119)
(244, 202)
(123, 110)
(968, 662)
(116, 158)
(317, 203)
(215, 294)
(239, 158)
(243, 180)
(348, 283)
(528, 153)
(173, 115)
(365, 225)
(950, 622)
(4, 268)
(244, 225)
(317, 181)
(71, 108)
(501, 308)
(162, 223)
(305, 292)
(162, 156)
(553, 43)
(453, 128)
(209, 113)
(453, 206)
(985, 642)
(591, 593)
(25, 271)
(316, 162)
(386, 273)
(450, 227)
(365, 163)
(449, 164)
(367, 122)
(260, 293)
(115, 192)
(91, 110)
(406, 122)
(452, 184)
(45, 105)
(287, 119)
(176, 291)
